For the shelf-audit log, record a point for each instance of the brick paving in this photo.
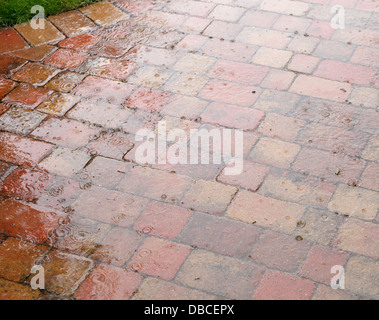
(74, 200)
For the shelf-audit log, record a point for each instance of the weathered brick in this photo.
(72, 23)
(43, 36)
(155, 184)
(209, 196)
(272, 57)
(359, 237)
(274, 152)
(65, 272)
(79, 236)
(370, 177)
(108, 283)
(6, 86)
(109, 206)
(319, 263)
(27, 96)
(108, 68)
(10, 40)
(66, 59)
(25, 184)
(295, 8)
(156, 289)
(367, 97)
(184, 83)
(281, 286)
(162, 220)
(321, 88)
(35, 74)
(232, 116)
(334, 50)
(264, 37)
(355, 202)
(58, 104)
(82, 42)
(148, 99)
(22, 151)
(329, 166)
(258, 19)
(278, 79)
(278, 126)
(13, 291)
(64, 162)
(19, 120)
(320, 29)
(220, 275)
(265, 212)
(100, 113)
(65, 81)
(318, 226)
(345, 72)
(18, 257)
(159, 258)
(109, 143)
(28, 222)
(336, 140)
(250, 178)
(280, 252)
(361, 277)
(228, 50)
(104, 13)
(219, 235)
(65, 132)
(327, 293)
(157, 56)
(303, 63)
(229, 92)
(118, 246)
(226, 13)
(297, 188)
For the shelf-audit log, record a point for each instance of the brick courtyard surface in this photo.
(74, 199)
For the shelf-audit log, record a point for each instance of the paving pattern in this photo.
(74, 200)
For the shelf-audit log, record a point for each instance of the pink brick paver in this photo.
(81, 194)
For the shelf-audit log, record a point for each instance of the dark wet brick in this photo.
(25, 184)
(17, 258)
(14, 291)
(27, 96)
(8, 65)
(64, 272)
(10, 40)
(27, 221)
(6, 86)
